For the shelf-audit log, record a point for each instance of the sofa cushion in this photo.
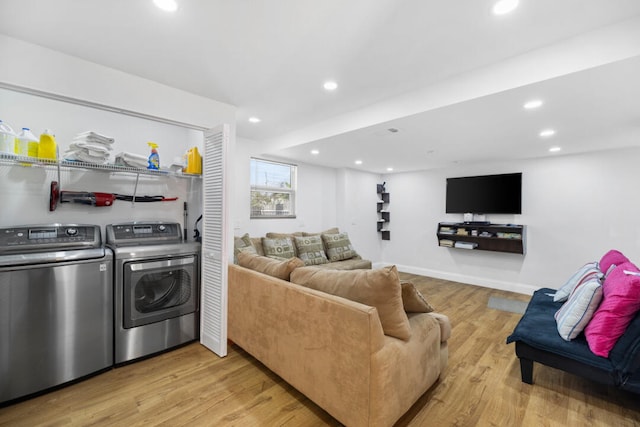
(311, 250)
(273, 267)
(338, 246)
(333, 230)
(257, 244)
(356, 263)
(620, 303)
(611, 258)
(282, 248)
(412, 299)
(586, 272)
(576, 313)
(378, 288)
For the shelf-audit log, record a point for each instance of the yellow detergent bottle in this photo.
(194, 161)
(47, 148)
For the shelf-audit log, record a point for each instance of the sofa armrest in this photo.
(321, 344)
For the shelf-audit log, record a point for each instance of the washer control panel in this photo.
(143, 233)
(36, 238)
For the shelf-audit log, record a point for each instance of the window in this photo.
(273, 189)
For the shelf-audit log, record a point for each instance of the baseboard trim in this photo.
(520, 288)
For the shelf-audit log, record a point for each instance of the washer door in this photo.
(156, 290)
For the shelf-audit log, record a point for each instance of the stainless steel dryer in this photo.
(56, 307)
(157, 285)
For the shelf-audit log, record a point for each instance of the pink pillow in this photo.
(621, 301)
(613, 257)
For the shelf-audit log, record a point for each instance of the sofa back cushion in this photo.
(620, 303)
(378, 288)
(273, 267)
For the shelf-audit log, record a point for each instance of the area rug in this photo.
(505, 304)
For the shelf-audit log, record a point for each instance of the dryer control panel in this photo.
(143, 233)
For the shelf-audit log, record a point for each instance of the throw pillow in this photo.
(278, 248)
(338, 246)
(292, 236)
(620, 303)
(242, 244)
(413, 300)
(613, 257)
(586, 272)
(576, 313)
(277, 268)
(378, 288)
(311, 250)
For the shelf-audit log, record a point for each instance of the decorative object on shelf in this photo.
(508, 238)
(384, 216)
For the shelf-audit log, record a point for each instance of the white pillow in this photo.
(575, 314)
(584, 273)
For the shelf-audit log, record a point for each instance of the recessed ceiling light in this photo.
(555, 149)
(358, 162)
(503, 7)
(315, 152)
(547, 133)
(166, 5)
(254, 120)
(393, 130)
(330, 85)
(533, 104)
(389, 169)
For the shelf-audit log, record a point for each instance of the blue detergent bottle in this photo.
(154, 158)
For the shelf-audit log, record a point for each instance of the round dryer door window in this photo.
(159, 290)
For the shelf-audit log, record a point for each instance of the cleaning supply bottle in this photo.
(154, 158)
(194, 161)
(7, 138)
(23, 140)
(47, 148)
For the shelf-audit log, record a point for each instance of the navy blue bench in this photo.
(537, 340)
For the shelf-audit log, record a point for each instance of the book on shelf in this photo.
(466, 245)
(446, 242)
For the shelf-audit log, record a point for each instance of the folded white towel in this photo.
(83, 156)
(132, 159)
(98, 148)
(95, 136)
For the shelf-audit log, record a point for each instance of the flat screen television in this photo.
(487, 194)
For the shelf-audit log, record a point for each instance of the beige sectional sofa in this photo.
(342, 338)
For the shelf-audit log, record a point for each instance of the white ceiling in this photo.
(449, 75)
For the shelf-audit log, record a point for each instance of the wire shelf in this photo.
(15, 159)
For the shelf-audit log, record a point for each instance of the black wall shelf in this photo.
(508, 238)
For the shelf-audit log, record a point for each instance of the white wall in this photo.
(326, 198)
(575, 209)
(25, 190)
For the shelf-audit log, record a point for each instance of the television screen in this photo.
(488, 194)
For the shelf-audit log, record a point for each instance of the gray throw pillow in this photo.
(311, 250)
(338, 246)
(278, 248)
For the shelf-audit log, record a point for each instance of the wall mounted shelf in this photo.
(508, 238)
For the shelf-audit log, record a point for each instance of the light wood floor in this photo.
(481, 387)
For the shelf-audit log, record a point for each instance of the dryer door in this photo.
(159, 289)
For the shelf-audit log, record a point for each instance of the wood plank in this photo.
(190, 386)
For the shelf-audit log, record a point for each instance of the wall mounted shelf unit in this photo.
(384, 216)
(508, 238)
